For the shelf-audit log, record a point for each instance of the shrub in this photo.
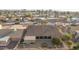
(67, 36)
(56, 42)
(69, 44)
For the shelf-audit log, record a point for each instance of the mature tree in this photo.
(67, 37)
(56, 42)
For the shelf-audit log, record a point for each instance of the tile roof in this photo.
(42, 30)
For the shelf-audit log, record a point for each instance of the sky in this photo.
(66, 5)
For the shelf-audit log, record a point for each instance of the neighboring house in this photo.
(4, 38)
(10, 38)
(52, 20)
(39, 19)
(4, 41)
(74, 21)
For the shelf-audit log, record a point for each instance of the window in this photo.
(49, 37)
(45, 37)
(37, 37)
(41, 37)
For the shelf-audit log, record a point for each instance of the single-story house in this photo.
(44, 32)
(4, 38)
(10, 38)
(4, 41)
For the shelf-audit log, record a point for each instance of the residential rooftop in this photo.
(42, 30)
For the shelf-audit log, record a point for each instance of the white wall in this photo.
(0, 26)
(29, 39)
